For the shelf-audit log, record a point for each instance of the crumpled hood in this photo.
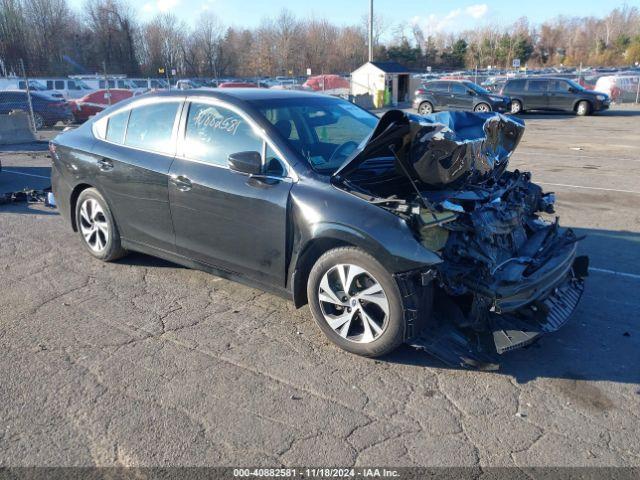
(443, 149)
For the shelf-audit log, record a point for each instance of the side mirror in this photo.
(471, 92)
(572, 90)
(245, 162)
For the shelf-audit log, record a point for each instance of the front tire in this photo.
(583, 108)
(516, 107)
(96, 226)
(356, 302)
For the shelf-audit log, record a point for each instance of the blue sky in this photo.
(439, 15)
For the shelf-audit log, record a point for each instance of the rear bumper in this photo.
(61, 192)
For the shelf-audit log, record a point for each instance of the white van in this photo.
(34, 85)
(620, 88)
(69, 87)
(150, 83)
(98, 82)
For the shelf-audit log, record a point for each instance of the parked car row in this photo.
(47, 110)
(516, 95)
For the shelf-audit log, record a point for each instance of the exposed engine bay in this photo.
(509, 273)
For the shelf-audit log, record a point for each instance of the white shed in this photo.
(374, 78)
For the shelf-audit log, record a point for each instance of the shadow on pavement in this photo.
(601, 341)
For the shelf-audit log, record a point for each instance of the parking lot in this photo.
(145, 363)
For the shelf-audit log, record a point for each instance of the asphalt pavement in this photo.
(145, 363)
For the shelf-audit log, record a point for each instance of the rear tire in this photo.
(516, 107)
(583, 108)
(425, 108)
(96, 226)
(38, 121)
(368, 319)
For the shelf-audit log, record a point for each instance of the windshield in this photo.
(324, 130)
(477, 88)
(575, 85)
(82, 85)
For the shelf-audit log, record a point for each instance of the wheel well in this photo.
(588, 102)
(73, 200)
(426, 101)
(307, 259)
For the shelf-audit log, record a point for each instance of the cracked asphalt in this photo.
(144, 363)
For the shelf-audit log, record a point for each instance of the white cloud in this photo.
(477, 11)
(161, 6)
(455, 18)
(166, 5)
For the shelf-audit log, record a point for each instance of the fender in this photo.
(398, 253)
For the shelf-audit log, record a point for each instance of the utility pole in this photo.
(371, 30)
(106, 81)
(32, 120)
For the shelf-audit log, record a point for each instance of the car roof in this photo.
(239, 95)
(538, 78)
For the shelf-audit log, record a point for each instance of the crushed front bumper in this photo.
(551, 310)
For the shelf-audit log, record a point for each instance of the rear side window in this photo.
(514, 86)
(151, 126)
(213, 133)
(59, 84)
(437, 86)
(537, 86)
(116, 126)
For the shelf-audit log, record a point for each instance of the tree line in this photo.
(53, 39)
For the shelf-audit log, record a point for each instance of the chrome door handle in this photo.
(181, 183)
(104, 165)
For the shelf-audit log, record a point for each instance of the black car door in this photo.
(560, 96)
(460, 97)
(536, 95)
(132, 170)
(221, 217)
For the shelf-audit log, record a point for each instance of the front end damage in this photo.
(509, 273)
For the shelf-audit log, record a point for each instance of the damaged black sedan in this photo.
(398, 229)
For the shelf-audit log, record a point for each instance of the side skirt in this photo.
(196, 265)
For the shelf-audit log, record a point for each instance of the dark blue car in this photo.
(47, 111)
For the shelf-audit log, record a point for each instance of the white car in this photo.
(620, 88)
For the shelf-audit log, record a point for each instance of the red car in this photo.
(95, 102)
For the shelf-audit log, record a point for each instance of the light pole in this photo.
(371, 30)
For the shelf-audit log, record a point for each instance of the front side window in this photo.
(213, 133)
(458, 89)
(151, 127)
(116, 126)
(323, 130)
(559, 86)
(59, 84)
